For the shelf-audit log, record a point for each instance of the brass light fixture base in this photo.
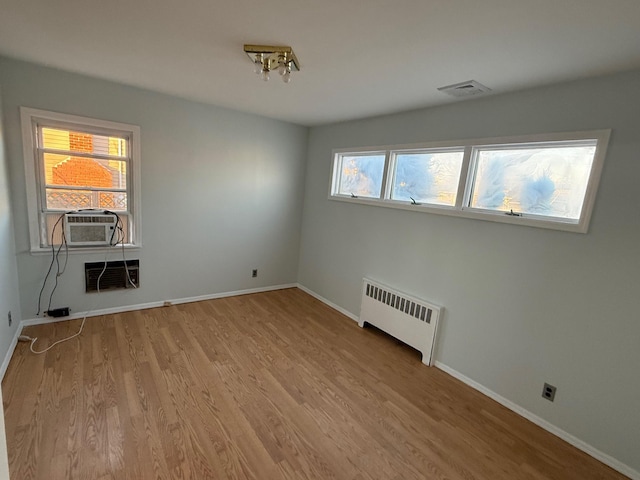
(272, 56)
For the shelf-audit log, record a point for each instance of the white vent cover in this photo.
(407, 318)
(465, 89)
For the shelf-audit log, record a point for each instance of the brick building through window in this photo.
(76, 163)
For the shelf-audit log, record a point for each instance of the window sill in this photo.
(527, 221)
(84, 250)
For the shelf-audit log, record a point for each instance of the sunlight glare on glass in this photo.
(361, 175)
(427, 177)
(548, 181)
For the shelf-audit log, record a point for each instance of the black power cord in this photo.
(119, 228)
(55, 254)
(53, 260)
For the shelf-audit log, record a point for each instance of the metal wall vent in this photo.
(465, 89)
(114, 276)
(399, 302)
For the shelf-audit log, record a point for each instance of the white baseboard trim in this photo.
(567, 437)
(12, 347)
(92, 313)
(159, 303)
(346, 313)
(128, 308)
(235, 293)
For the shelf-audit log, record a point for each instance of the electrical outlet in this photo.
(9, 317)
(549, 392)
(254, 273)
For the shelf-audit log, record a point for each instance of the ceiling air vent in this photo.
(465, 89)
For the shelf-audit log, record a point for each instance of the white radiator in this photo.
(409, 319)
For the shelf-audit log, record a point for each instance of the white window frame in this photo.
(30, 119)
(462, 208)
(339, 156)
(431, 149)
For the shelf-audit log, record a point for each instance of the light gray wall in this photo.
(221, 191)
(524, 306)
(9, 296)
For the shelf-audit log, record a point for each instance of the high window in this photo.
(79, 164)
(428, 176)
(546, 181)
(360, 174)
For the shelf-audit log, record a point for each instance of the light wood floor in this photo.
(267, 386)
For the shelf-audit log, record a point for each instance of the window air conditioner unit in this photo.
(89, 228)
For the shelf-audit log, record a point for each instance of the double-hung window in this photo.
(546, 181)
(76, 164)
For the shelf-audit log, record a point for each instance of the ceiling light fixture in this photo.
(267, 58)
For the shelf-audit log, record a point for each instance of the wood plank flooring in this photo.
(267, 386)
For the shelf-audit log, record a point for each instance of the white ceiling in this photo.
(358, 58)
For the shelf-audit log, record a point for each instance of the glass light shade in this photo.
(265, 75)
(286, 78)
(257, 64)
